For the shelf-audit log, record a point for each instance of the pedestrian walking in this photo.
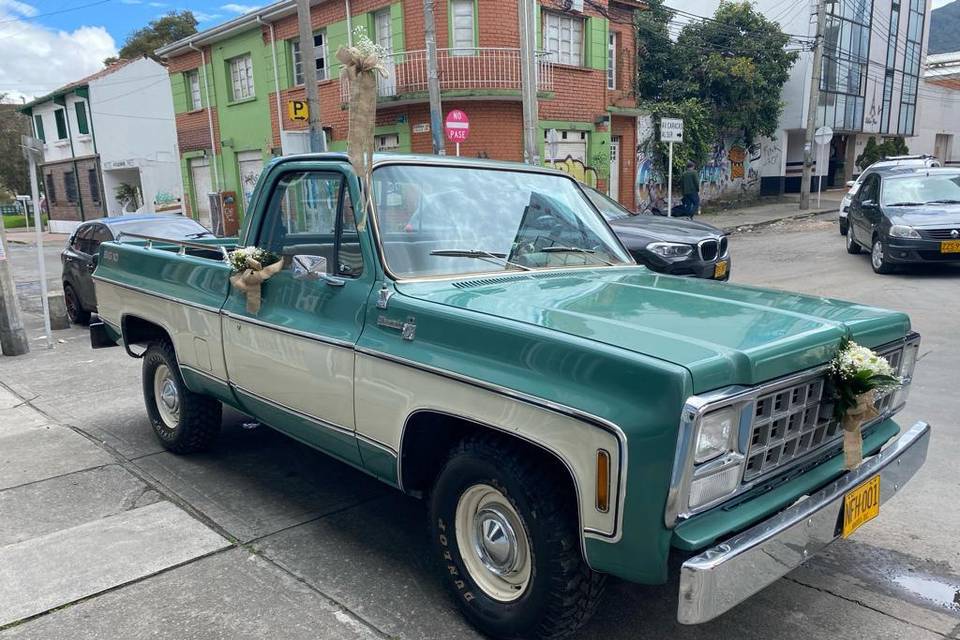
(690, 190)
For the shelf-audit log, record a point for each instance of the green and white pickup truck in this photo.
(473, 333)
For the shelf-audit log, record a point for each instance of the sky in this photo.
(45, 44)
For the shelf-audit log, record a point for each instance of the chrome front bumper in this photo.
(722, 577)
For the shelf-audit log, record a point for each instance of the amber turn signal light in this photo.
(603, 481)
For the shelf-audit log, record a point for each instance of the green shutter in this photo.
(596, 43)
(38, 121)
(396, 26)
(60, 116)
(180, 89)
(336, 38)
(82, 127)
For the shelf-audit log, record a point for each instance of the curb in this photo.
(751, 226)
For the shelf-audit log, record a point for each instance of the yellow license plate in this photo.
(720, 269)
(950, 246)
(861, 505)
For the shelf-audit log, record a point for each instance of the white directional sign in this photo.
(823, 135)
(671, 130)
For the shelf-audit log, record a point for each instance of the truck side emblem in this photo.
(383, 297)
(408, 329)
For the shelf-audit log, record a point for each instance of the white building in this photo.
(938, 122)
(873, 54)
(106, 135)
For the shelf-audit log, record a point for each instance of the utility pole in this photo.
(33, 150)
(13, 339)
(433, 79)
(318, 142)
(808, 148)
(528, 80)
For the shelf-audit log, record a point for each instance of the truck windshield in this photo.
(437, 221)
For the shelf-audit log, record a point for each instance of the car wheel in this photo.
(852, 247)
(844, 226)
(878, 258)
(184, 421)
(75, 311)
(508, 542)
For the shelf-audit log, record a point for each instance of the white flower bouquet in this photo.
(241, 257)
(253, 265)
(857, 374)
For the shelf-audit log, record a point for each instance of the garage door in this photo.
(202, 186)
(250, 164)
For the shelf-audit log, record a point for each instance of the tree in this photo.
(736, 63)
(162, 31)
(14, 174)
(873, 152)
(656, 67)
(699, 134)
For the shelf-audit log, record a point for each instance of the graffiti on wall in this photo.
(576, 168)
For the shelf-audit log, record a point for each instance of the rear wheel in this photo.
(184, 421)
(878, 258)
(75, 310)
(507, 537)
(852, 247)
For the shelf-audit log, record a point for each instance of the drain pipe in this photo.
(276, 79)
(206, 90)
(346, 4)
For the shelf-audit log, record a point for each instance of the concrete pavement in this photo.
(282, 542)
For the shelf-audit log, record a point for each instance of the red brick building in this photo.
(233, 86)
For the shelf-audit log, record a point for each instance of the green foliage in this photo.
(699, 134)
(18, 221)
(873, 152)
(14, 172)
(127, 193)
(162, 31)
(657, 71)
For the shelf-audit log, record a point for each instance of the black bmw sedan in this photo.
(676, 246)
(907, 217)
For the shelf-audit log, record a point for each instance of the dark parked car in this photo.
(676, 246)
(80, 255)
(907, 217)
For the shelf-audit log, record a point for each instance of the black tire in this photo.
(195, 424)
(562, 592)
(852, 247)
(75, 310)
(879, 265)
(844, 226)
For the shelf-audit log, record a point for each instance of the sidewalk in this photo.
(787, 207)
(27, 236)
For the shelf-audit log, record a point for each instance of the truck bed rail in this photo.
(182, 244)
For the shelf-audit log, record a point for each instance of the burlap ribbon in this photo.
(250, 279)
(852, 421)
(362, 73)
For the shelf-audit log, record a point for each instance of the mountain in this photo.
(944, 26)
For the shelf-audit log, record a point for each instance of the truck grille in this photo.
(791, 422)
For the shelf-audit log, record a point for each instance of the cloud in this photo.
(157, 5)
(239, 8)
(35, 60)
(203, 16)
(17, 8)
(131, 1)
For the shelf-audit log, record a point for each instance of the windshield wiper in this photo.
(480, 254)
(945, 201)
(906, 204)
(199, 234)
(590, 252)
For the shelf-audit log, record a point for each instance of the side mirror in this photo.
(850, 183)
(869, 204)
(309, 267)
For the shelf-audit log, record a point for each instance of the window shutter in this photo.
(597, 39)
(82, 125)
(60, 117)
(39, 123)
(336, 38)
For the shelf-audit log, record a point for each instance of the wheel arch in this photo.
(137, 330)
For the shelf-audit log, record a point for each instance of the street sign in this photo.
(457, 126)
(671, 130)
(298, 109)
(823, 135)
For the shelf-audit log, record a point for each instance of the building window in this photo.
(612, 61)
(70, 185)
(319, 53)
(93, 181)
(887, 100)
(843, 79)
(51, 190)
(193, 90)
(386, 142)
(563, 38)
(83, 127)
(38, 123)
(462, 27)
(241, 77)
(911, 68)
(60, 116)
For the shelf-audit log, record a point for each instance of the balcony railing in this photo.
(458, 69)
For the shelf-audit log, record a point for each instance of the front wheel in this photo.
(75, 310)
(507, 538)
(852, 247)
(878, 258)
(844, 226)
(184, 421)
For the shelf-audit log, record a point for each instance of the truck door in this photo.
(291, 364)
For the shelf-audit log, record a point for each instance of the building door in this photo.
(387, 85)
(572, 144)
(250, 165)
(941, 147)
(202, 187)
(613, 185)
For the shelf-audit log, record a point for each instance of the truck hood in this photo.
(722, 334)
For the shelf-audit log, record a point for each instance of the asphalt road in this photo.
(308, 548)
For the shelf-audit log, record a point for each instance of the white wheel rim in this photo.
(166, 396)
(850, 238)
(877, 255)
(493, 543)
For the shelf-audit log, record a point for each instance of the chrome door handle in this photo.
(333, 281)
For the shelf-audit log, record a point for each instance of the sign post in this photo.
(671, 130)
(457, 127)
(822, 137)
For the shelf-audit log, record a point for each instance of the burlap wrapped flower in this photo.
(252, 266)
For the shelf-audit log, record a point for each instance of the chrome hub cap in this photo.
(167, 396)
(493, 543)
(877, 255)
